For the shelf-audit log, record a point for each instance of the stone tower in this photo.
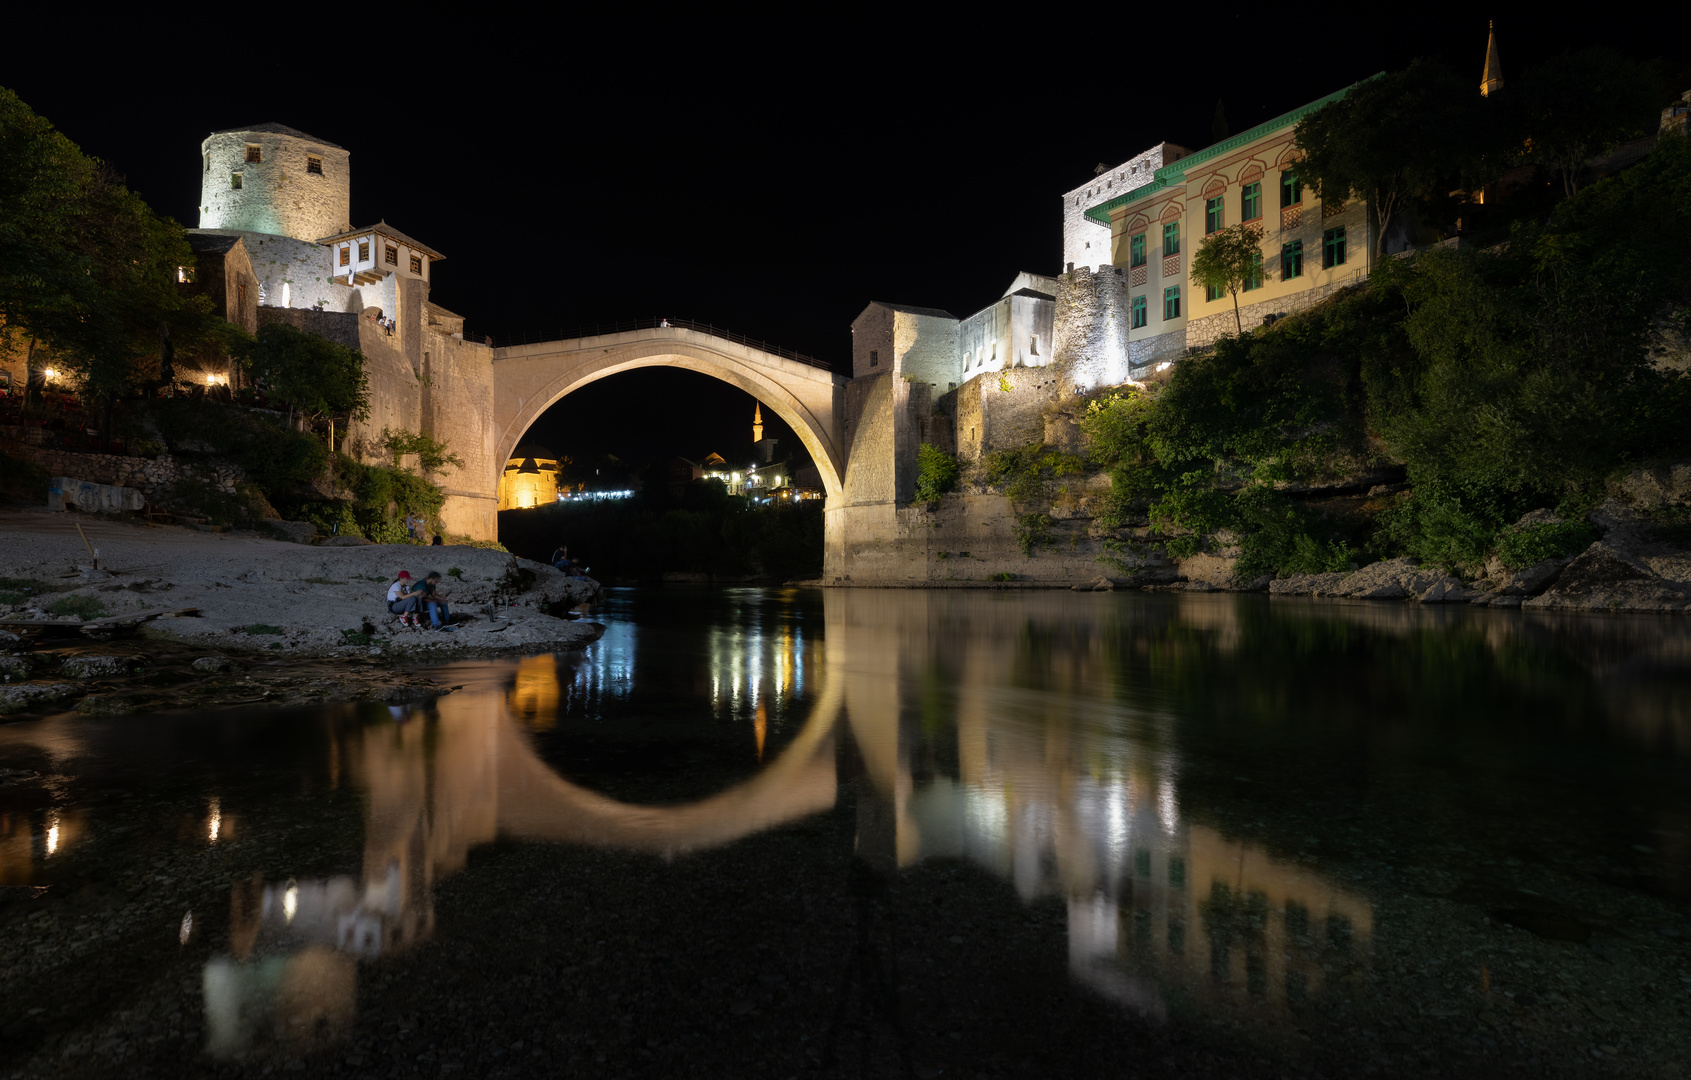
(270, 178)
(757, 422)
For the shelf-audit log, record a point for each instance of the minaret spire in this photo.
(1492, 79)
(757, 422)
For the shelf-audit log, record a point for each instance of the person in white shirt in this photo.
(401, 600)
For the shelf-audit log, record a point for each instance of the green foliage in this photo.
(83, 607)
(1033, 531)
(1395, 138)
(1004, 383)
(1229, 259)
(86, 267)
(355, 637)
(432, 456)
(1030, 474)
(936, 473)
(454, 572)
(17, 590)
(1582, 105)
(22, 483)
(1282, 537)
(1002, 575)
(263, 628)
(1439, 526)
(273, 456)
(1519, 548)
(316, 376)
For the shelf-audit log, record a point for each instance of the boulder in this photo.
(8, 639)
(1103, 584)
(105, 705)
(16, 699)
(1605, 578)
(1446, 590)
(214, 665)
(1307, 584)
(1648, 489)
(297, 532)
(15, 667)
(1219, 572)
(1534, 579)
(94, 667)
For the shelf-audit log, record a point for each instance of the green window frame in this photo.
(1291, 189)
(1253, 280)
(1137, 247)
(1333, 248)
(1250, 201)
(1140, 315)
(1171, 238)
(1213, 215)
(1171, 302)
(1291, 260)
(1214, 292)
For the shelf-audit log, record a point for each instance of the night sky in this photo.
(771, 175)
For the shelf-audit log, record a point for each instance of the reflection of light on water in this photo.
(52, 833)
(761, 726)
(187, 930)
(290, 902)
(215, 826)
(533, 697)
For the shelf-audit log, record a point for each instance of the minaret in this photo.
(757, 422)
(1492, 79)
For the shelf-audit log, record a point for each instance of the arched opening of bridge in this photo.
(660, 471)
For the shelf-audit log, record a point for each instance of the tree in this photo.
(314, 376)
(1583, 105)
(1230, 259)
(1392, 138)
(86, 267)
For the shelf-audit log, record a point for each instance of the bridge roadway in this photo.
(529, 379)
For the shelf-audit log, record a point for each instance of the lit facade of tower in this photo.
(757, 422)
(270, 178)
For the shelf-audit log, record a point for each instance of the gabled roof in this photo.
(911, 309)
(386, 230)
(274, 128)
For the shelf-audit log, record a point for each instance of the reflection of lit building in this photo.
(533, 697)
(530, 478)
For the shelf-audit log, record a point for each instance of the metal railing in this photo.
(501, 341)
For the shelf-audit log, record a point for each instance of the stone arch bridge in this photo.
(529, 379)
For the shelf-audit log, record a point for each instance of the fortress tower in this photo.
(270, 178)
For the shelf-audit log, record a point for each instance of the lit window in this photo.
(417, 264)
(254, 154)
(391, 253)
(314, 164)
(1291, 260)
(1250, 201)
(1213, 215)
(1140, 316)
(1171, 302)
(1291, 190)
(1137, 247)
(363, 251)
(1333, 248)
(1171, 238)
(346, 255)
(235, 181)
(1253, 280)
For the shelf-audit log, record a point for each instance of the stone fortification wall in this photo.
(871, 342)
(153, 477)
(338, 326)
(456, 403)
(925, 349)
(1091, 328)
(984, 341)
(278, 194)
(870, 436)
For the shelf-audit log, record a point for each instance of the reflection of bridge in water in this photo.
(1057, 787)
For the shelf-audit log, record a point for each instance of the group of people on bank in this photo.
(412, 601)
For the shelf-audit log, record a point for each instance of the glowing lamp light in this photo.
(52, 374)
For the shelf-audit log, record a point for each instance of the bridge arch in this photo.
(529, 379)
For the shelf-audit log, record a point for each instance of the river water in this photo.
(783, 832)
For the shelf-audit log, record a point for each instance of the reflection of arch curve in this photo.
(529, 379)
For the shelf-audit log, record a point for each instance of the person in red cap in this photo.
(401, 600)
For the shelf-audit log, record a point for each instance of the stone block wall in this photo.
(152, 477)
(1086, 243)
(1203, 333)
(925, 349)
(278, 194)
(1091, 328)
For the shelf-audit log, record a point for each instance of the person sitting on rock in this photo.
(403, 600)
(439, 614)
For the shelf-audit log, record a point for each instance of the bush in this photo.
(22, 483)
(83, 607)
(1029, 474)
(1519, 548)
(936, 473)
(1033, 531)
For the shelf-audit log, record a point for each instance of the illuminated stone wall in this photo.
(1092, 319)
(1086, 243)
(278, 194)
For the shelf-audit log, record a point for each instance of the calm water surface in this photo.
(787, 832)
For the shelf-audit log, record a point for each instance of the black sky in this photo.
(771, 173)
